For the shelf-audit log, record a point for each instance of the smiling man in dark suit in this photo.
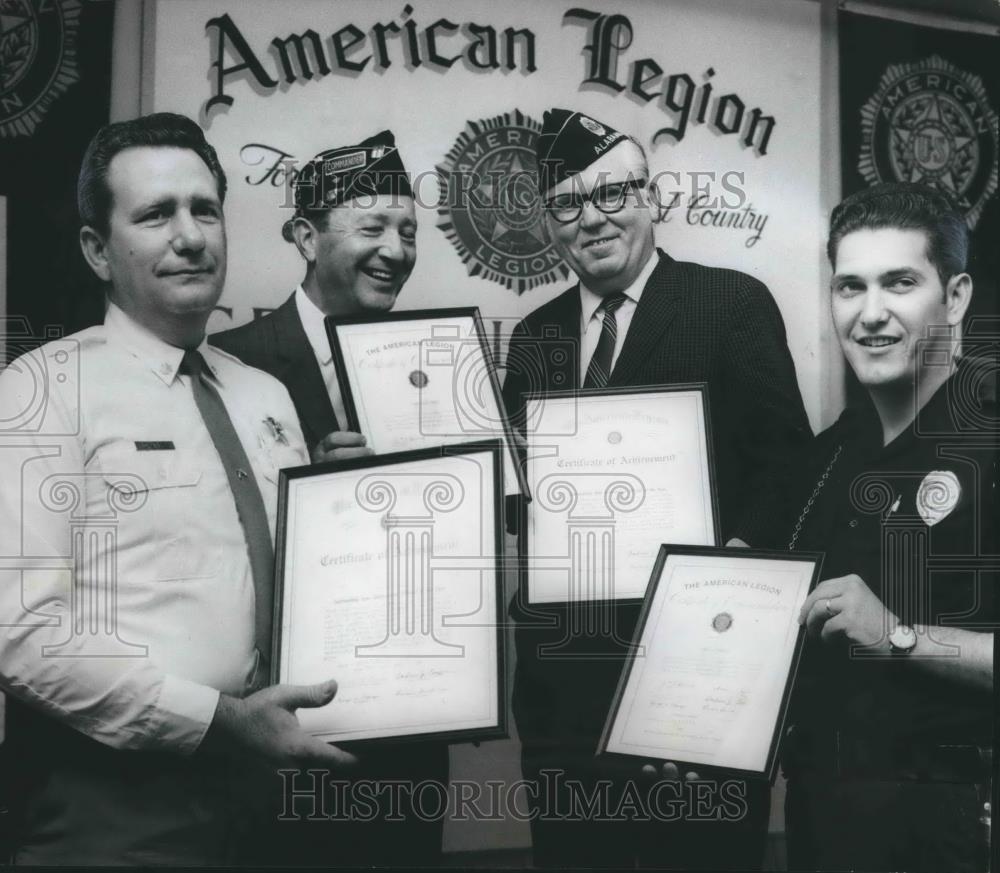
(355, 226)
(637, 317)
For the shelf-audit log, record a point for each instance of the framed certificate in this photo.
(389, 580)
(614, 473)
(423, 378)
(717, 647)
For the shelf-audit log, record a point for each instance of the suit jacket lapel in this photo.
(301, 373)
(658, 307)
(566, 321)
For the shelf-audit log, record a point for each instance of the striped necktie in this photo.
(599, 370)
(246, 496)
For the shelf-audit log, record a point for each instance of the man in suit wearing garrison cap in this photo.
(637, 317)
(355, 227)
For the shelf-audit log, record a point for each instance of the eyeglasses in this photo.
(567, 208)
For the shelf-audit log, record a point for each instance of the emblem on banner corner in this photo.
(489, 205)
(37, 60)
(931, 122)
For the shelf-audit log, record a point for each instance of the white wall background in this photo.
(766, 51)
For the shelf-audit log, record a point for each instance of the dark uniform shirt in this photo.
(916, 520)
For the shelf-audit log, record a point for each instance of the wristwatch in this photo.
(902, 640)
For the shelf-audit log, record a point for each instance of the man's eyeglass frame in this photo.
(562, 213)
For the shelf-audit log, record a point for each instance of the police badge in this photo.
(937, 496)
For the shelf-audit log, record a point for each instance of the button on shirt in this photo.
(592, 317)
(110, 466)
(312, 319)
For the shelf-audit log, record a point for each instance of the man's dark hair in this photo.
(907, 206)
(93, 195)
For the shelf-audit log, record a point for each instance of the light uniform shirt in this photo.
(107, 461)
(312, 318)
(592, 319)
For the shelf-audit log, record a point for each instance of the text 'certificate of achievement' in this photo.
(718, 642)
(389, 581)
(613, 474)
(424, 378)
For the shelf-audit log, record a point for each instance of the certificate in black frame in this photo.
(499, 730)
(524, 582)
(347, 390)
(706, 770)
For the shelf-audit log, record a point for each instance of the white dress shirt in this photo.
(107, 462)
(592, 319)
(312, 319)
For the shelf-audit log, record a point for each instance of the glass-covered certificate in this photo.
(424, 378)
(389, 581)
(717, 647)
(613, 473)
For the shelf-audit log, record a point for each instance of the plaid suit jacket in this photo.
(693, 324)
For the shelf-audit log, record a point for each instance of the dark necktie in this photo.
(599, 369)
(246, 495)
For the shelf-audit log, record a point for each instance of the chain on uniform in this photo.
(812, 498)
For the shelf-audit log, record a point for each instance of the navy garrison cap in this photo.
(333, 177)
(570, 142)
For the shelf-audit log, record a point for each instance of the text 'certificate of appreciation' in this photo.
(417, 379)
(718, 642)
(388, 582)
(613, 475)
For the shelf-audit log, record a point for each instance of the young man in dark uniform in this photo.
(891, 721)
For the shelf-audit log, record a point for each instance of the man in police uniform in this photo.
(139, 500)
(887, 758)
(355, 227)
(636, 318)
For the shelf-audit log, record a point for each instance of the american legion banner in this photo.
(920, 104)
(55, 82)
(724, 97)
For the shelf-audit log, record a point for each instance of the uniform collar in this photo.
(589, 301)
(940, 416)
(144, 345)
(313, 323)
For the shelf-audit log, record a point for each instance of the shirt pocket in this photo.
(164, 530)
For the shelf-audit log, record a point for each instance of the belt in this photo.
(842, 755)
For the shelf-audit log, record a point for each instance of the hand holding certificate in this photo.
(717, 645)
(389, 581)
(413, 380)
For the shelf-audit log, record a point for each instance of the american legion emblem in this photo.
(931, 122)
(489, 206)
(37, 60)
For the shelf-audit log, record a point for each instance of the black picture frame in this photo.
(332, 323)
(768, 772)
(498, 730)
(621, 391)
